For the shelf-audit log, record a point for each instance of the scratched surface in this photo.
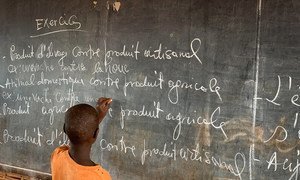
(278, 92)
(201, 89)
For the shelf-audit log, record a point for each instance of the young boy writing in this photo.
(81, 126)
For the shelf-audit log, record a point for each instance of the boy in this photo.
(81, 126)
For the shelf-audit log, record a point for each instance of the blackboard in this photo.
(201, 89)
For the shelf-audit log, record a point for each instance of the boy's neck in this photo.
(81, 154)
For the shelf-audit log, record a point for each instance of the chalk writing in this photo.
(120, 146)
(34, 97)
(70, 97)
(51, 78)
(17, 82)
(73, 67)
(42, 99)
(90, 99)
(113, 68)
(34, 67)
(290, 86)
(25, 54)
(133, 52)
(61, 21)
(286, 165)
(163, 53)
(6, 95)
(34, 138)
(53, 110)
(90, 52)
(58, 138)
(108, 81)
(212, 120)
(178, 84)
(143, 112)
(64, 80)
(281, 130)
(145, 83)
(72, 23)
(7, 110)
(48, 51)
(173, 152)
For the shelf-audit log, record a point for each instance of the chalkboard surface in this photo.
(201, 89)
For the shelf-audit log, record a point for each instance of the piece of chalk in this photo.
(108, 102)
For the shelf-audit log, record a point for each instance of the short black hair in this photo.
(81, 123)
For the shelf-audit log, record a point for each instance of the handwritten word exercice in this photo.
(56, 25)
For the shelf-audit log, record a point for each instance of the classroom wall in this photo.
(201, 89)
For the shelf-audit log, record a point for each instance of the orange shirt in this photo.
(63, 167)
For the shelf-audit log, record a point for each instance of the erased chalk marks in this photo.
(115, 5)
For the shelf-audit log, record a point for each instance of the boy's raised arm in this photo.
(102, 107)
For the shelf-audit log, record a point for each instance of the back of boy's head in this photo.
(81, 124)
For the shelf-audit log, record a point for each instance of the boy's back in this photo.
(64, 167)
(81, 125)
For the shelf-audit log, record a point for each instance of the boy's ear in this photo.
(64, 128)
(96, 133)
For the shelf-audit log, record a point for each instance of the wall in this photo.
(201, 89)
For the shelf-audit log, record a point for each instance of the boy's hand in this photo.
(103, 105)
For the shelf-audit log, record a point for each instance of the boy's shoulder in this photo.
(60, 150)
